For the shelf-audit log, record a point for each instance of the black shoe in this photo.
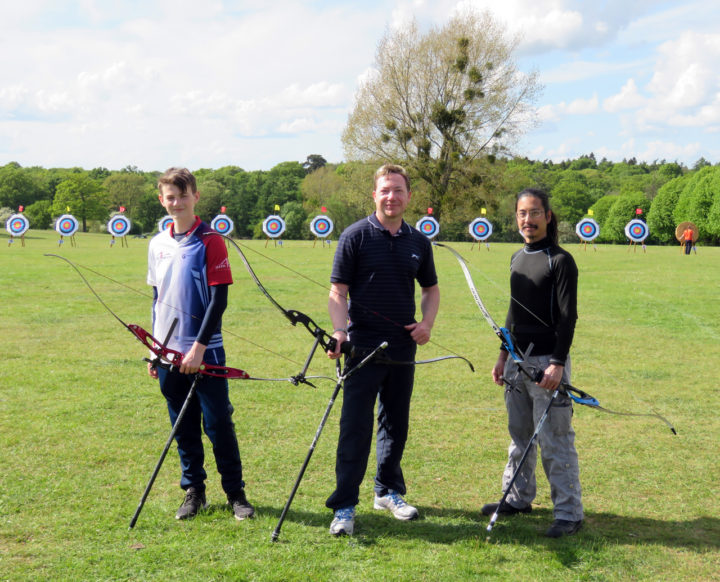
(194, 501)
(241, 506)
(563, 527)
(506, 509)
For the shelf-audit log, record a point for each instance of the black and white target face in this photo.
(119, 225)
(480, 229)
(273, 226)
(222, 224)
(636, 230)
(164, 223)
(66, 225)
(428, 226)
(321, 226)
(587, 229)
(17, 225)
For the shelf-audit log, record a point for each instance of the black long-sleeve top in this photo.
(543, 307)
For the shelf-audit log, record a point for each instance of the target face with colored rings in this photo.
(273, 226)
(164, 223)
(321, 226)
(119, 225)
(636, 230)
(587, 229)
(67, 225)
(480, 228)
(17, 225)
(222, 224)
(428, 226)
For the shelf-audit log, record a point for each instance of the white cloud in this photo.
(666, 150)
(562, 109)
(628, 98)
(686, 71)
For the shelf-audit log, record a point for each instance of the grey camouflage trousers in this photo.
(525, 402)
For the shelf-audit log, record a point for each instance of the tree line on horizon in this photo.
(665, 193)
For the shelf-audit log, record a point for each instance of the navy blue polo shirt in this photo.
(380, 270)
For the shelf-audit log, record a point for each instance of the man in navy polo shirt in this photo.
(372, 299)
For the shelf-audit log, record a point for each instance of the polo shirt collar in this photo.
(404, 227)
(189, 232)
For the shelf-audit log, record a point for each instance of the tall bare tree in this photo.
(438, 101)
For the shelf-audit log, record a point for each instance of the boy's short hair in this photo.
(182, 178)
(387, 169)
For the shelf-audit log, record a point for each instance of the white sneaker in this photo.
(396, 504)
(344, 522)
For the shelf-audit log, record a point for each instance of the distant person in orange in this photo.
(687, 235)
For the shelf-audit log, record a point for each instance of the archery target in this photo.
(164, 223)
(67, 225)
(273, 226)
(119, 225)
(480, 228)
(17, 225)
(636, 230)
(587, 229)
(428, 226)
(222, 224)
(321, 226)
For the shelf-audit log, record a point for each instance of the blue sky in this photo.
(253, 83)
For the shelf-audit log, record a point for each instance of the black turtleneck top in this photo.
(543, 307)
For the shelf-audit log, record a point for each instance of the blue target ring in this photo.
(17, 225)
(222, 224)
(480, 228)
(587, 229)
(164, 223)
(119, 225)
(273, 226)
(636, 230)
(428, 226)
(321, 226)
(67, 225)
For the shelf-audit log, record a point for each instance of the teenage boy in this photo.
(189, 271)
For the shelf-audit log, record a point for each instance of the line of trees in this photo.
(667, 193)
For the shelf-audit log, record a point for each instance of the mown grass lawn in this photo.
(82, 426)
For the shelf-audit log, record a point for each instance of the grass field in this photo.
(82, 426)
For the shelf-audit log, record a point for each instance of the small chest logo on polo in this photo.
(415, 257)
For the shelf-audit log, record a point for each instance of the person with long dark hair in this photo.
(542, 314)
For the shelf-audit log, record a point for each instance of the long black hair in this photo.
(552, 227)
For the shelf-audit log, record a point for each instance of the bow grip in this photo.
(346, 348)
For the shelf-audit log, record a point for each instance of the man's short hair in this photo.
(387, 169)
(182, 178)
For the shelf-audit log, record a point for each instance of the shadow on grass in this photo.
(448, 526)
